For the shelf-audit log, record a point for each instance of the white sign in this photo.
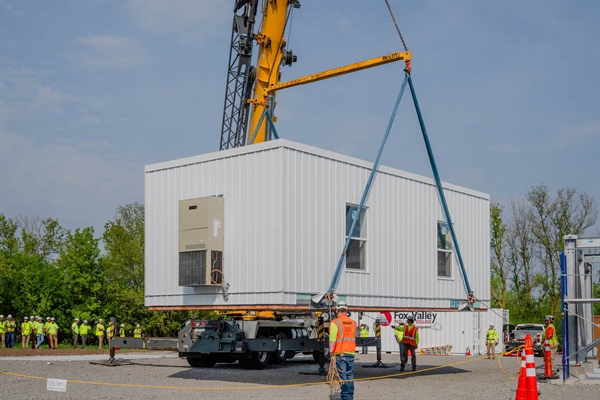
(56, 385)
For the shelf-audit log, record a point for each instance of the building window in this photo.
(356, 252)
(444, 250)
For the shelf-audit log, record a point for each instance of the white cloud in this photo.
(182, 18)
(109, 52)
(66, 181)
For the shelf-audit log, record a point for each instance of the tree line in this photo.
(47, 270)
(526, 240)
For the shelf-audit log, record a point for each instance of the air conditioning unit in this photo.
(201, 240)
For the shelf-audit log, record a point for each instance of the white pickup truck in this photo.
(517, 337)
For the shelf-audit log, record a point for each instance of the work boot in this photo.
(414, 367)
(401, 367)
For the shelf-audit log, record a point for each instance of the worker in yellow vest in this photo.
(25, 332)
(2, 330)
(75, 332)
(100, 333)
(410, 340)
(46, 324)
(122, 331)
(39, 332)
(491, 338)
(399, 334)
(10, 327)
(137, 332)
(53, 333)
(364, 333)
(32, 333)
(83, 332)
(342, 346)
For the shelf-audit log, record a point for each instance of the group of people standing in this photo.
(100, 332)
(36, 332)
(33, 330)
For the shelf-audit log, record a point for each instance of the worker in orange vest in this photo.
(410, 340)
(342, 346)
(549, 336)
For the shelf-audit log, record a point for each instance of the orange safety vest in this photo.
(345, 342)
(409, 335)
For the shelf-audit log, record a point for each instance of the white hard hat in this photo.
(52, 319)
(76, 319)
(1, 316)
(122, 326)
(9, 316)
(341, 305)
(85, 321)
(138, 325)
(100, 320)
(25, 318)
(32, 317)
(47, 318)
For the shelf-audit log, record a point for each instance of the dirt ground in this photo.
(15, 352)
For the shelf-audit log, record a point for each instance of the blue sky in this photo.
(92, 91)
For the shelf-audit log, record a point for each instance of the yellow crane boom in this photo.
(373, 62)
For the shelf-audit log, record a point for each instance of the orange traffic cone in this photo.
(522, 388)
(532, 391)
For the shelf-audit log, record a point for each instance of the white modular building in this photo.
(265, 225)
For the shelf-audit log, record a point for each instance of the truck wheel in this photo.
(316, 355)
(258, 360)
(201, 362)
(326, 350)
(279, 357)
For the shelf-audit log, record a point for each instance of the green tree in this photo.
(499, 271)
(552, 219)
(29, 283)
(528, 243)
(83, 281)
(124, 264)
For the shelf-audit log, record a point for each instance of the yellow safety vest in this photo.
(52, 329)
(83, 329)
(25, 328)
(10, 326)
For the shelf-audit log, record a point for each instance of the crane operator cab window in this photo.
(444, 250)
(356, 252)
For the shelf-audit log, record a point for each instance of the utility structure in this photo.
(577, 260)
(256, 334)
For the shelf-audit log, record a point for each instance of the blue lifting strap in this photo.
(438, 183)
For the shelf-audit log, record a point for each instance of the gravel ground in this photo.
(166, 376)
